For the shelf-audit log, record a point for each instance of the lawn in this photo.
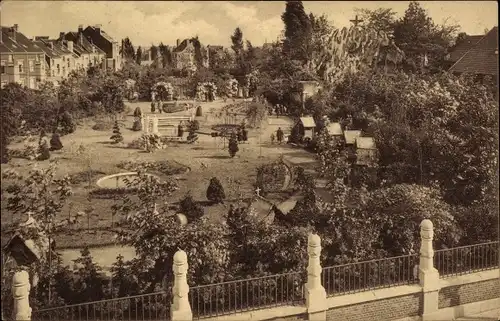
(205, 159)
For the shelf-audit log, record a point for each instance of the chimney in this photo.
(16, 27)
(80, 29)
(61, 35)
(13, 32)
(178, 42)
(51, 45)
(98, 28)
(70, 45)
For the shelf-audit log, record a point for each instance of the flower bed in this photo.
(162, 167)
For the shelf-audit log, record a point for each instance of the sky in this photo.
(148, 22)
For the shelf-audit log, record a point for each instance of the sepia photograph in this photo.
(249, 160)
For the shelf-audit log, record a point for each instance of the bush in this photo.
(137, 126)
(233, 146)
(103, 125)
(43, 151)
(215, 191)
(67, 124)
(199, 111)
(55, 142)
(190, 208)
(4, 152)
(193, 127)
(117, 135)
(137, 112)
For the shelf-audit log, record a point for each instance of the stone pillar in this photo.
(21, 292)
(155, 125)
(315, 292)
(180, 309)
(146, 125)
(428, 275)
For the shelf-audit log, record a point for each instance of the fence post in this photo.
(315, 292)
(428, 275)
(21, 293)
(180, 309)
(155, 124)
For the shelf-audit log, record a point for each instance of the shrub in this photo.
(137, 112)
(55, 142)
(233, 146)
(215, 191)
(193, 127)
(43, 151)
(137, 126)
(67, 124)
(117, 135)
(4, 152)
(199, 111)
(190, 208)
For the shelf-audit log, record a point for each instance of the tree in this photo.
(215, 191)
(124, 283)
(297, 31)
(233, 146)
(190, 208)
(117, 135)
(418, 36)
(237, 41)
(111, 94)
(256, 113)
(127, 49)
(89, 284)
(55, 142)
(320, 29)
(379, 20)
(138, 55)
(166, 55)
(154, 52)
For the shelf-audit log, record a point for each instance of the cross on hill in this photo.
(356, 21)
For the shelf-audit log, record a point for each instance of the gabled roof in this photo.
(365, 143)
(460, 49)
(350, 136)
(182, 46)
(102, 33)
(81, 43)
(20, 44)
(307, 122)
(334, 129)
(46, 48)
(482, 58)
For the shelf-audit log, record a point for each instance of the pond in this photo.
(118, 180)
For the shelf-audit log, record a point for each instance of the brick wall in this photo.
(387, 309)
(469, 293)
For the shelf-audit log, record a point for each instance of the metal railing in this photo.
(247, 295)
(370, 275)
(152, 306)
(466, 259)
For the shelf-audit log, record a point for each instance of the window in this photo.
(2, 67)
(20, 66)
(58, 69)
(68, 64)
(4, 83)
(9, 58)
(32, 83)
(31, 65)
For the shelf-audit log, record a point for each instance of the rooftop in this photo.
(482, 58)
(334, 129)
(365, 143)
(351, 135)
(20, 44)
(307, 122)
(461, 48)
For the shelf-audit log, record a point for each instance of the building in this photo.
(21, 60)
(60, 58)
(481, 59)
(108, 45)
(184, 55)
(307, 126)
(88, 53)
(461, 48)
